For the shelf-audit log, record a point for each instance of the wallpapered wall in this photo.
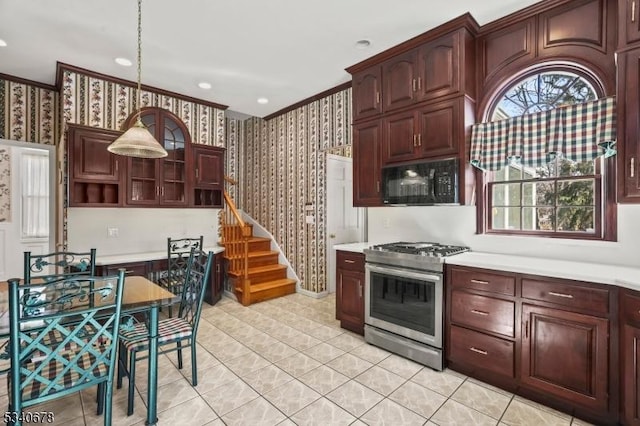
(280, 165)
(5, 184)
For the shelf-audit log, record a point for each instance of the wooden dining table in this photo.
(139, 294)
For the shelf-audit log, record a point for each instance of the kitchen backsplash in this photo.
(139, 230)
(457, 225)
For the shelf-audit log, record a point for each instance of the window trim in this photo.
(608, 209)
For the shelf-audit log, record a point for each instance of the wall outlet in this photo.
(310, 219)
(112, 232)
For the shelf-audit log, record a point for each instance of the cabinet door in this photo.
(566, 354)
(95, 173)
(629, 21)
(366, 164)
(628, 126)
(209, 166)
(441, 126)
(142, 186)
(351, 292)
(173, 168)
(399, 139)
(213, 292)
(439, 67)
(630, 374)
(367, 93)
(400, 83)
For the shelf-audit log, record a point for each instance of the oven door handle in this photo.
(423, 276)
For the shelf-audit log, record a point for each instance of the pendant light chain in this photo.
(139, 102)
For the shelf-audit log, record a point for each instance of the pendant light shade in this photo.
(137, 141)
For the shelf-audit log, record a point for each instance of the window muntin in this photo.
(561, 198)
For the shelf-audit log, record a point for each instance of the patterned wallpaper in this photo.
(95, 102)
(28, 113)
(280, 165)
(5, 184)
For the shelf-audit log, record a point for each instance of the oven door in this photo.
(405, 302)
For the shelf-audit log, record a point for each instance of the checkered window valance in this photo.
(579, 132)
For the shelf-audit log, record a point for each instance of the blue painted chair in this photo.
(57, 263)
(173, 333)
(178, 250)
(63, 339)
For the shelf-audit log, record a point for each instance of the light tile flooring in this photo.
(286, 362)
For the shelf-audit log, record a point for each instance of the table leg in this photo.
(152, 379)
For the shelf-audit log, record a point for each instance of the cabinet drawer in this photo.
(485, 281)
(571, 295)
(484, 313)
(631, 307)
(486, 352)
(133, 268)
(350, 261)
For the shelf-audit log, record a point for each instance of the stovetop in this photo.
(417, 255)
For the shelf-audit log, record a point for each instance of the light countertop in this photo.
(622, 276)
(141, 257)
(354, 247)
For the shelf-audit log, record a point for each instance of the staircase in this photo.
(252, 267)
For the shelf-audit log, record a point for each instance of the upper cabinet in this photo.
(628, 22)
(95, 174)
(628, 101)
(208, 168)
(367, 93)
(191, 175)
(161, 181)
(412, 102)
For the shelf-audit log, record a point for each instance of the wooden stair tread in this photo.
(254, 288)
(256, 254)
(252, 239)
(261, 269)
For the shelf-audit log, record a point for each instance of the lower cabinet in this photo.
(630, 359)
(547, 339)
(153, 269)
(350, 290)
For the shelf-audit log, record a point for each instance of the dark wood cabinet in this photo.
(162, 181)
(142, 268)
(630, 356)
(566, 354)
(548, 339)
(445, 66)
(628, 22)
(95, 176)
(213, 292)
(433, 130)
(400, 81)
(367, 93)
(208, 176)
(481, 322)
(367, 168)
(628, 104)
(350, 277)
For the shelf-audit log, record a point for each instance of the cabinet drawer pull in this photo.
(414, 85)
(378, 186)
(349, 261)
(360, 289)
(633, 11)
(415, 140)
(116, 165)
(480, 282)
(419, 139)
(128, 271)
(196, 173)
(478, 351)
(477, 312)
(419, 82)
(632, 167)
(566, 296)
(377, 97)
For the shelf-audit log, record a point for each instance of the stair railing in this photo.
(235, 238)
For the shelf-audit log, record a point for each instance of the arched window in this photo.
(558, 196)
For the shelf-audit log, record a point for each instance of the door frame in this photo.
(53, 183)
(330, 251)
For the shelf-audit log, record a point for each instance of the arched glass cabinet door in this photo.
(155, 182)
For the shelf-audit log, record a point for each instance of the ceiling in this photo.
(283, 50)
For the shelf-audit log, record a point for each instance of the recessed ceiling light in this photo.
(204, 85)
(124, 62)
(363, 44)
(2, 43)
(263, 101)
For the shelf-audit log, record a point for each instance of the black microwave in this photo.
(424, 183)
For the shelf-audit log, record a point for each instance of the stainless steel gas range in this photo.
(404, 299)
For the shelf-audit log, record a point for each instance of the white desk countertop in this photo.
(141, 257)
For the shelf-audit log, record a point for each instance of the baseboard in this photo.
(311, 293)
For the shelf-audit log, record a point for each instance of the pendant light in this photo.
(137, 141)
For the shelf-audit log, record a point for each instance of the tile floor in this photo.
(286, 362)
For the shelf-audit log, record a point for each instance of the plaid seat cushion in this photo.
(52, 372)
(54, 338)
(169, 330)
(173, 283)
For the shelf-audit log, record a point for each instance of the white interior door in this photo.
(345, 223)
(14, 227)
